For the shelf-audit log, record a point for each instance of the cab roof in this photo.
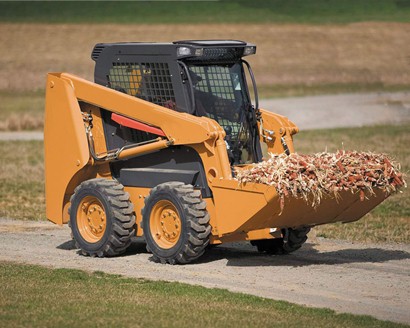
(169, 49)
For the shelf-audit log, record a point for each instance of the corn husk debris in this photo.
(311, 177)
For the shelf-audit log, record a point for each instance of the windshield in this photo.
(220, 93)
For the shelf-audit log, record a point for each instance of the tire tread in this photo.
(197, 218)
(123, 217)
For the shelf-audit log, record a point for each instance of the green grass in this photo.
(33, 296)
(224, 11)
(390, 221)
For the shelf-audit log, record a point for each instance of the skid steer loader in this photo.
(149, 150)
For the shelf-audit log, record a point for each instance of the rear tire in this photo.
(175, 223)
(294, 239)
(102, 218)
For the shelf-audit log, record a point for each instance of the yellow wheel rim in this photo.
(91, 219)
(165, 224)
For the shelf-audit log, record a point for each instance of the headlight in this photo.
(183, 51)
(249, 50)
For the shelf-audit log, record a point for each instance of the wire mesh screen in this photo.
(148, 81)
(215, 88)
(215, 79)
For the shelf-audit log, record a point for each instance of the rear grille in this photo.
(97, 52)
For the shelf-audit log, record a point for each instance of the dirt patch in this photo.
(371, 279)
(359, 53)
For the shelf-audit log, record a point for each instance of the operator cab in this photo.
(202, 78)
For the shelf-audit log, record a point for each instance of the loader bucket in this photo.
(251, 206)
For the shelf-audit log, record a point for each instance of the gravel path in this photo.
(348, 110)
(22, 135)
(356, 278)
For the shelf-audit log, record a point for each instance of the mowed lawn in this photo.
(33, 296)
(22, 180)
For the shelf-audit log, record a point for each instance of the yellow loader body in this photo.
(150, 149)
(238, 212)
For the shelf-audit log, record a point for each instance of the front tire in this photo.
(175, 223)
(102, 218)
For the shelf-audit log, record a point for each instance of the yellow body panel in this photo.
(237, 212)
(183, 128)
(65, 144)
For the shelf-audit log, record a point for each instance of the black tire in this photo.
(292, 241)
(184, 205)
(115, 209)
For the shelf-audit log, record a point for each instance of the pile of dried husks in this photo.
(313, 176)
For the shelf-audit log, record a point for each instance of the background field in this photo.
(290, 60)
(304, 47)
(360, 55)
